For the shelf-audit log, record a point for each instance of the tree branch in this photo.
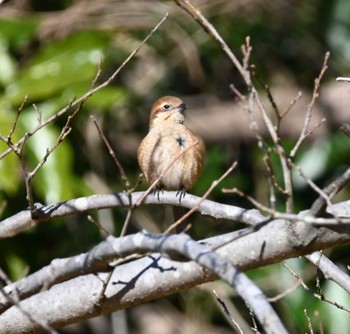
(21, 221)
(132, 283)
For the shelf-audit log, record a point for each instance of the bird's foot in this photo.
(181, 193)
(157, 192)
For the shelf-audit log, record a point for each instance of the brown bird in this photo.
(170, 151)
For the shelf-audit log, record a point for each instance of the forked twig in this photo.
(245, 73)
(331, 190)
(304, 132)
(314, 294)
(89, 93)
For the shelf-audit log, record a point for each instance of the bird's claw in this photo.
(157, 191)
(181, 193)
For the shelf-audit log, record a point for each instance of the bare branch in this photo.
(20, 109)
(99, 226)
(64, 133)
(237, 92)
(97, 260)
(227, 312)
(88, 94)
(285, 293)
(304, 132)
(98, 73)
(330, 270)
(311, 183)
(244, 71)
(331, 190)
(14, 299)
(291, 105)
(39, 112)
(19, 222)
(210, 29)
(112, 153)
(314, 294)
(309, 322)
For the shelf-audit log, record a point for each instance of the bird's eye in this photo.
(166, 106)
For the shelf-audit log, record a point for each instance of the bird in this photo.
(171, 154)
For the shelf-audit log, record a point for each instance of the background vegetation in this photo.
(50, 51)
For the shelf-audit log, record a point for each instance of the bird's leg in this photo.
(181, 193)
(157, 191)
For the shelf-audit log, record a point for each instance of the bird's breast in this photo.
(173, 153)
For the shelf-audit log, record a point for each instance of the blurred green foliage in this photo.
(54, 67)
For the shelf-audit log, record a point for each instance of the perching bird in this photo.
(170, 150)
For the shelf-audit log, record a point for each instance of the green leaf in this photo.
(18, 33)
(60, 64)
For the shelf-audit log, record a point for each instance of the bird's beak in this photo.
(183, 107)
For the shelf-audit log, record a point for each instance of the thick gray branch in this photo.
(19, 222)
(330, 270)
(154, 276)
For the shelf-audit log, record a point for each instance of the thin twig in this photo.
(304, 132)
(315, 295)
(292, 104)
(286, 172)
(98, 73)
(127, 219)
(124, 177)
(247, 51)
(252, 316)
(62, 136)
(89, 93)
(312, 184)
(252, 200)
(237, 92)
(285, 293)
(19, 111)
(271, 172)
(331, 190)
(112, 153)
(245, 73)
(308, 322)
(227, 312)
(39, 112)
(100, 227)
(269, 96)
(320, 325)
(210, 29)
(207, 193)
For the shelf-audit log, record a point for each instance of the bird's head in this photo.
(167, 109)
